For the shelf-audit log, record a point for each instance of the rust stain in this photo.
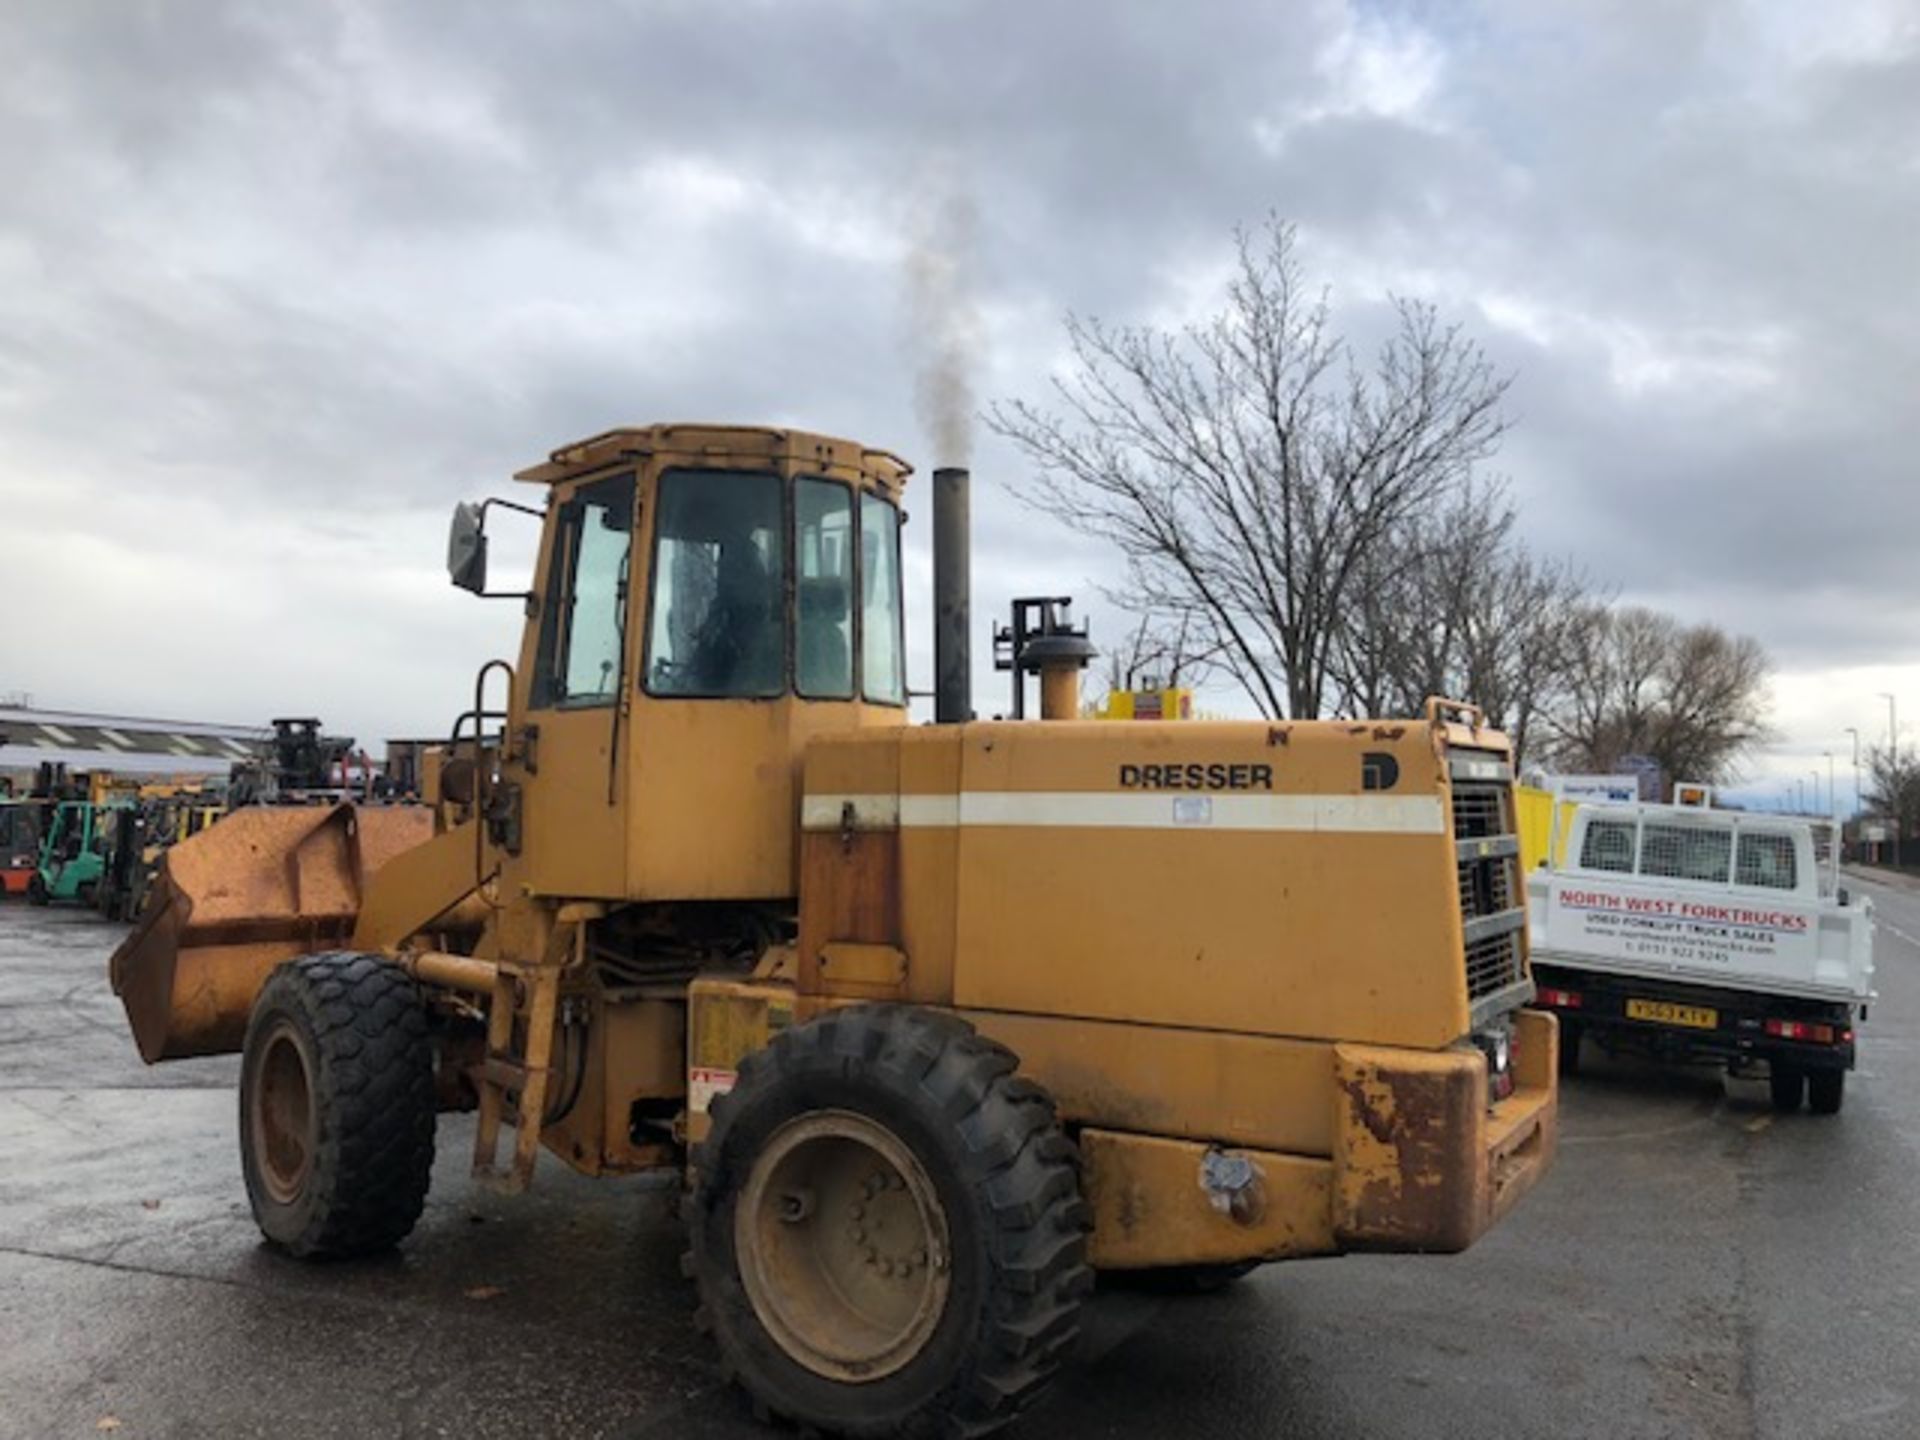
(1278, 735)
(1403, 1180)
(1388, 732)
(1378, 1125)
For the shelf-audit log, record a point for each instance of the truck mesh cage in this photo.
(1490, 900)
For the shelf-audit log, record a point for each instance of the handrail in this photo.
(482, 780)
(1438, 707)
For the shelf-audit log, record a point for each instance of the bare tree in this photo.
(1160, 650)
(1693, 698)
(1454, 605)
(1521, 644)
(1249, 469)
(1893, 782)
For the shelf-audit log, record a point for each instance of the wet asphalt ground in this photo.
(1693, 1266)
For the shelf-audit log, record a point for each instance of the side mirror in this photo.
(467, 548)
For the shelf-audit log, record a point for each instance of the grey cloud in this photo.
(375, 256)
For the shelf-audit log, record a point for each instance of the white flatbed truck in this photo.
(1696, 933)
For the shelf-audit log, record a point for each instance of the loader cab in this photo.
(705, 600)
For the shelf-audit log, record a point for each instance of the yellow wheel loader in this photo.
(938, 1019)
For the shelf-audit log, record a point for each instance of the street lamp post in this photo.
(1833, 799)
(1893, 772)
(1815, 792)
(1858, 802)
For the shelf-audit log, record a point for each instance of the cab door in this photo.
(568, 757)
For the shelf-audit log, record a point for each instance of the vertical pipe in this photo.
(952, 597)
(1060, 690)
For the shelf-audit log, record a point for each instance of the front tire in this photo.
(1826, 1089)
(37, 890)
(887, 1228)
(337, 1106)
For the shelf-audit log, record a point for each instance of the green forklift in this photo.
(72, 853)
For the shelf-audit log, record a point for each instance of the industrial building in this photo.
(122, 746)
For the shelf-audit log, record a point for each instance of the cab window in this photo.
(883, 667)
(583, 623)
(823, 589)
(719, 586)
(1686, 852)
(1767, 860)
(1608, 846)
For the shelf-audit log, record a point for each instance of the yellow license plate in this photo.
(1697, 1017)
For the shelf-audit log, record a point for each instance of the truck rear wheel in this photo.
(1570, 1033)
(887, 1228)
(337, 1105)
(1788, 1083)
(1826, 1089)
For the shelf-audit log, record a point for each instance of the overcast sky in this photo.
(280, 282)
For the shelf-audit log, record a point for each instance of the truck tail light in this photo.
(1558, 999)
(1802, 1030)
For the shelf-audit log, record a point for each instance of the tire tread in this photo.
(375, 1095)
(1017, 1158)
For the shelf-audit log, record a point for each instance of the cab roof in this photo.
(720, 446)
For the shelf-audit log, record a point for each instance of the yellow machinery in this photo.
(1154, 703)
(939, 1018)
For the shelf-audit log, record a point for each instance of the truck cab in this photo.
(1698, 932)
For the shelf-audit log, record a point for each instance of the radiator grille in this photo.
(1486, 887)
(1479, 811)
(1489, 887)
(1493, 964)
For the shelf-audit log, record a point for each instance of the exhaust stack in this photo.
(952, 596)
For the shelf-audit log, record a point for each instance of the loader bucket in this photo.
(261, 886)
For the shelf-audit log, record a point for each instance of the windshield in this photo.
(718, 583)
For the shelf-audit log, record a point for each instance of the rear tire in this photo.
(337, 1105)
(1569, 1048)
(1789, 1084)
(1826, 1089)
(940, 1302)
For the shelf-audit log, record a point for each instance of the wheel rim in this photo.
(283, 1116)
(842, 1246)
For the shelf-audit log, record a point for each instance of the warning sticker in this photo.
(1192, 810)
(703, 1083)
